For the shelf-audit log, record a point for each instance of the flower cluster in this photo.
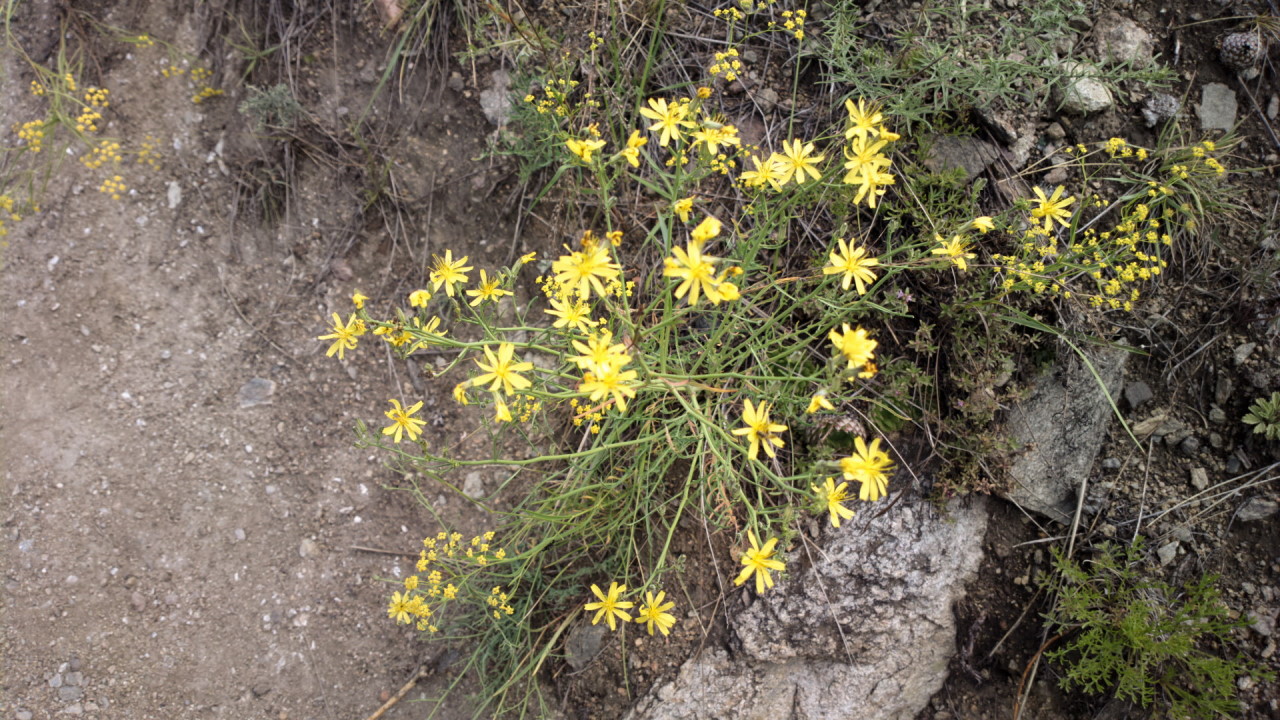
(107, 151)
(450, 570)
(556, 98)
(113, 186)
(652, 613)
(32, 133)
(866, 164)
(726, 65)
(697, 270)
(8, 214)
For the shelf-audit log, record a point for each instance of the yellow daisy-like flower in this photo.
(1052, 208)
(818, 402)
(695, 269)
(797, 160)
(868, 465)
(583, 148)
(760, 431)
(344, 336)
(832, 496)
(460, 392)
(403, 422)
(599, 353)
(765, 173)
(419, 298)
(358, 300)
(713, 136)
(501, 413)
(586, 269)
(614, 381)
(574, 314)
(668, 119)
(682, 208)
(864, 120)
(632, 151)
(872, 183)
(401, 608)
(758, 561)
(609, 606)
(707, 229)
(502, 371)
(854, 264)
(448, 272)
(488, 290)
(856, 346)
(982, 224)
(956, 249)
(653, 613)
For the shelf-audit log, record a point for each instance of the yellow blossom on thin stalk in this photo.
(832, 497)
(1052, 208)
(854, 264)
(653, 613)
(868, 465)
(760, 430)
(765, 173)
(501, 413)
(403, 422)
(696, 271)
(583, 148)
(713, 136)
(682, 208)
(488, 290)
(632, 151)
(758, 561)
(419, 298)
(818, 402)
(856, 346)
(574, 314)
(358, 300)
(613, 381)
(400, 608)
(584, 270)
(668, 119)
(344, 336)
(955, 249)
(706, 230)
(609, 606)
(864, 120)
(448, 272)
(502, 371)
(982, 224)
(872, 183)
(599, 353)
(796, 160)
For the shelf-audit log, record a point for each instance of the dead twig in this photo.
(422, 672)
(393, 553)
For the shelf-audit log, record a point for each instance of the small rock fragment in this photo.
(1199, 478)
(1257, 509)
(1137, 393)
(1167, 552)
(1082, 92)
(1217, 108)
(1122, 41)
(473, 485)
(307, 547)
(257, 391)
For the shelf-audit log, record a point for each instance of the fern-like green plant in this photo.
(1264, 416)
(1143, 640)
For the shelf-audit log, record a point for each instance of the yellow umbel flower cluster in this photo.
(450, 570)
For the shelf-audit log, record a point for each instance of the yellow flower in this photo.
(759, 561)
(403, 422)
(632, 151)
(599, 354)
(855, 345)
(610, 607)
(501, 413)
(863, 155)
(760, 430)
(502, 371)
(956, 248)
(863, 120)
(488, 290)
(871, 184)
(614, 381)
(818, 402)
(796, 160)
(574, 314)
(527, 258)
(460, 392)
(419, 298)
(868, 465)
(853, 264)
(696, 270)
(583, 148)
(654, 613)
(832, 496)
(713, 136)
(358, 300)
(982, 224)
(707, 229)
(766, 173)
(343, 336)
(682, 208)
(1052, 208)
(447, 272)
(583, 270)
(400, 608)
(669, 119)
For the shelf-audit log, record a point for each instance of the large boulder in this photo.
(864, 632)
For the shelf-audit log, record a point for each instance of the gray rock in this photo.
(1217, 416)
(76, 709)
(1264, 621)
(1060, 428)
(1243, 351)
(74, 678)
(583, 643)
(257, 391)
(950, 152)
(1122, 41)
(70, 693)
(767, 99)
(473, 486)
(23, 715)
(1222, 390)
(1217, 108)
(1257, 509)
(1168, 552)
(1160, 108)
(1082, 93)
(865, 632)
(496, 101)
(1111, 463)
(56, 680)
(1199, 478)
(1273, 107)
(307, 547)
(1137, 393)
(1189, 446)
